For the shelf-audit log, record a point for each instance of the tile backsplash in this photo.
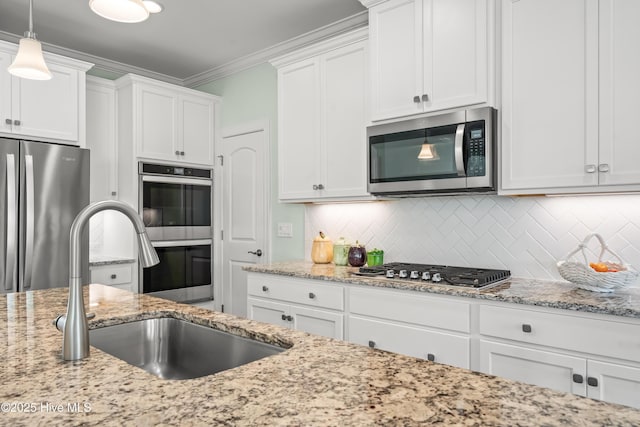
(526, 235)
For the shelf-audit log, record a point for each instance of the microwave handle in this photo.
(458, 150)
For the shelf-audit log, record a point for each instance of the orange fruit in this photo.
(600, 267)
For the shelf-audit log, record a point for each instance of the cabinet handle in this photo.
(113, 193)
(17, 122)
(312, 295)
(113, 276)
(265, 289)
(593, 382)
(577, 378)
(416, 99)
(182, 153)
(590, 168)
(320, 187)
(315, 186)
(526, 328)
(290, 318)
(177, 153)
(425, 98)
(284, 317)
(431, 357)
(372, 344)
(8, 121)
(603, 167)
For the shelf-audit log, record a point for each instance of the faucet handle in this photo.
(61, 320)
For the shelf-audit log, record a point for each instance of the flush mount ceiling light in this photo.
(29, 62)
(127, 11)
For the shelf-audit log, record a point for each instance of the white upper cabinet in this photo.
(51, 110)
(569, 84)
(428, 55)
(169, 123)
(322, 120)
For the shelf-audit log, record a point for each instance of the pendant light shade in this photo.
(127, 11)
(428, 152)
(29, 62)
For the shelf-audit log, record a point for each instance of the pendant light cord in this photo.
(30, 32)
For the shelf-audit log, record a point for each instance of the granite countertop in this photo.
(544, 293)
(97, 261)
(317, 381)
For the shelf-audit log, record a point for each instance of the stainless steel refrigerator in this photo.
(42, 188)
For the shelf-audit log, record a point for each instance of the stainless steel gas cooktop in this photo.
(477, 278)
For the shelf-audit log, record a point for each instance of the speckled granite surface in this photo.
(563, 295)
(96, 261)
(318, 381)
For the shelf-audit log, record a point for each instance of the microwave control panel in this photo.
(475, 144)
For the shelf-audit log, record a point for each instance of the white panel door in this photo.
(196, 118)
(268, 312)
(48, 108)
(542, 368)
(299, 130)
(318, 322)
(344, 145)
(244, 213)
(550, 108)
(5, 93)
(395, 29)
(614, 383)
(619, 92)
(157, 123)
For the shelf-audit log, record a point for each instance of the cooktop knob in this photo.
(426, 275)
(414, 274)
(390, 273)
(402, 274)
(436, 278)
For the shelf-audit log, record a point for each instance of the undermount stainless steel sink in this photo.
(175, 349)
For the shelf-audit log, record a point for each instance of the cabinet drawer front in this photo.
(301, 291)
(445, 348)
(116, 275)
(411, 307)
(595, 336)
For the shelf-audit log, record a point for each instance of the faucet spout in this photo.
(75, 336)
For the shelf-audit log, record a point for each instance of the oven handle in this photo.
(459, 155)
(174, 243)
(173, 180)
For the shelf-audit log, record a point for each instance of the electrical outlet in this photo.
(285, 229)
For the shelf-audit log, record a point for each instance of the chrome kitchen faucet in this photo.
(74, 325)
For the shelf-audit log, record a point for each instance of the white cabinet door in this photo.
(268, 312)
(318, 322)
(613, 383)
(6, 119)
(343, 101)
(299, 129)
(550, 108)
(543, 368)
(395, 40)
(196, 124)
(157, 122)
(619, 149)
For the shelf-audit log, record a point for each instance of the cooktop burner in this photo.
(478, 278)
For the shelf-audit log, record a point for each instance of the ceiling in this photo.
(189, 38)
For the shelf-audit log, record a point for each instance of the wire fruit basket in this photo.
(618, 275)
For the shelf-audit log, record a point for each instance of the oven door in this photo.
(183, 274)
(176, 208)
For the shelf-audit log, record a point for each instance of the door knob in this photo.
(257, 252)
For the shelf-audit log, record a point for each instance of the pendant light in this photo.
(428, 152)
(127, 11)
(29, 62)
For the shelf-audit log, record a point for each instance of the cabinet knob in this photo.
(113, 193)
(431, 357)
(372, 344)
(603, 167)
(182, 153)
(113, 276)
(590, 168)
(8, 121)
(577, 378)
(312, 295)
(284, 317)
(416, 99)
(526, 328)
(177, 153)
(265, 289)
(593, 382)
(314, 186)
(425, 98)
(17, 122)
(290, 318)
(320, 187)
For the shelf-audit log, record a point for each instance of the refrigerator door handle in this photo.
(12, 230)
(29, 238)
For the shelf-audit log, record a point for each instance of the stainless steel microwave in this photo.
(448, 153)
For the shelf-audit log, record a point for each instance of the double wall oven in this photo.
(176, 206)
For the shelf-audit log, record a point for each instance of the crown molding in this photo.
(370, 3)
(345, 25)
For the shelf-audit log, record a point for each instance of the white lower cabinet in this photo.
(304, 305)
(563, 352)
(116, 275)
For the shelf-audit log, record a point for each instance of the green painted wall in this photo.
(250, 96)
